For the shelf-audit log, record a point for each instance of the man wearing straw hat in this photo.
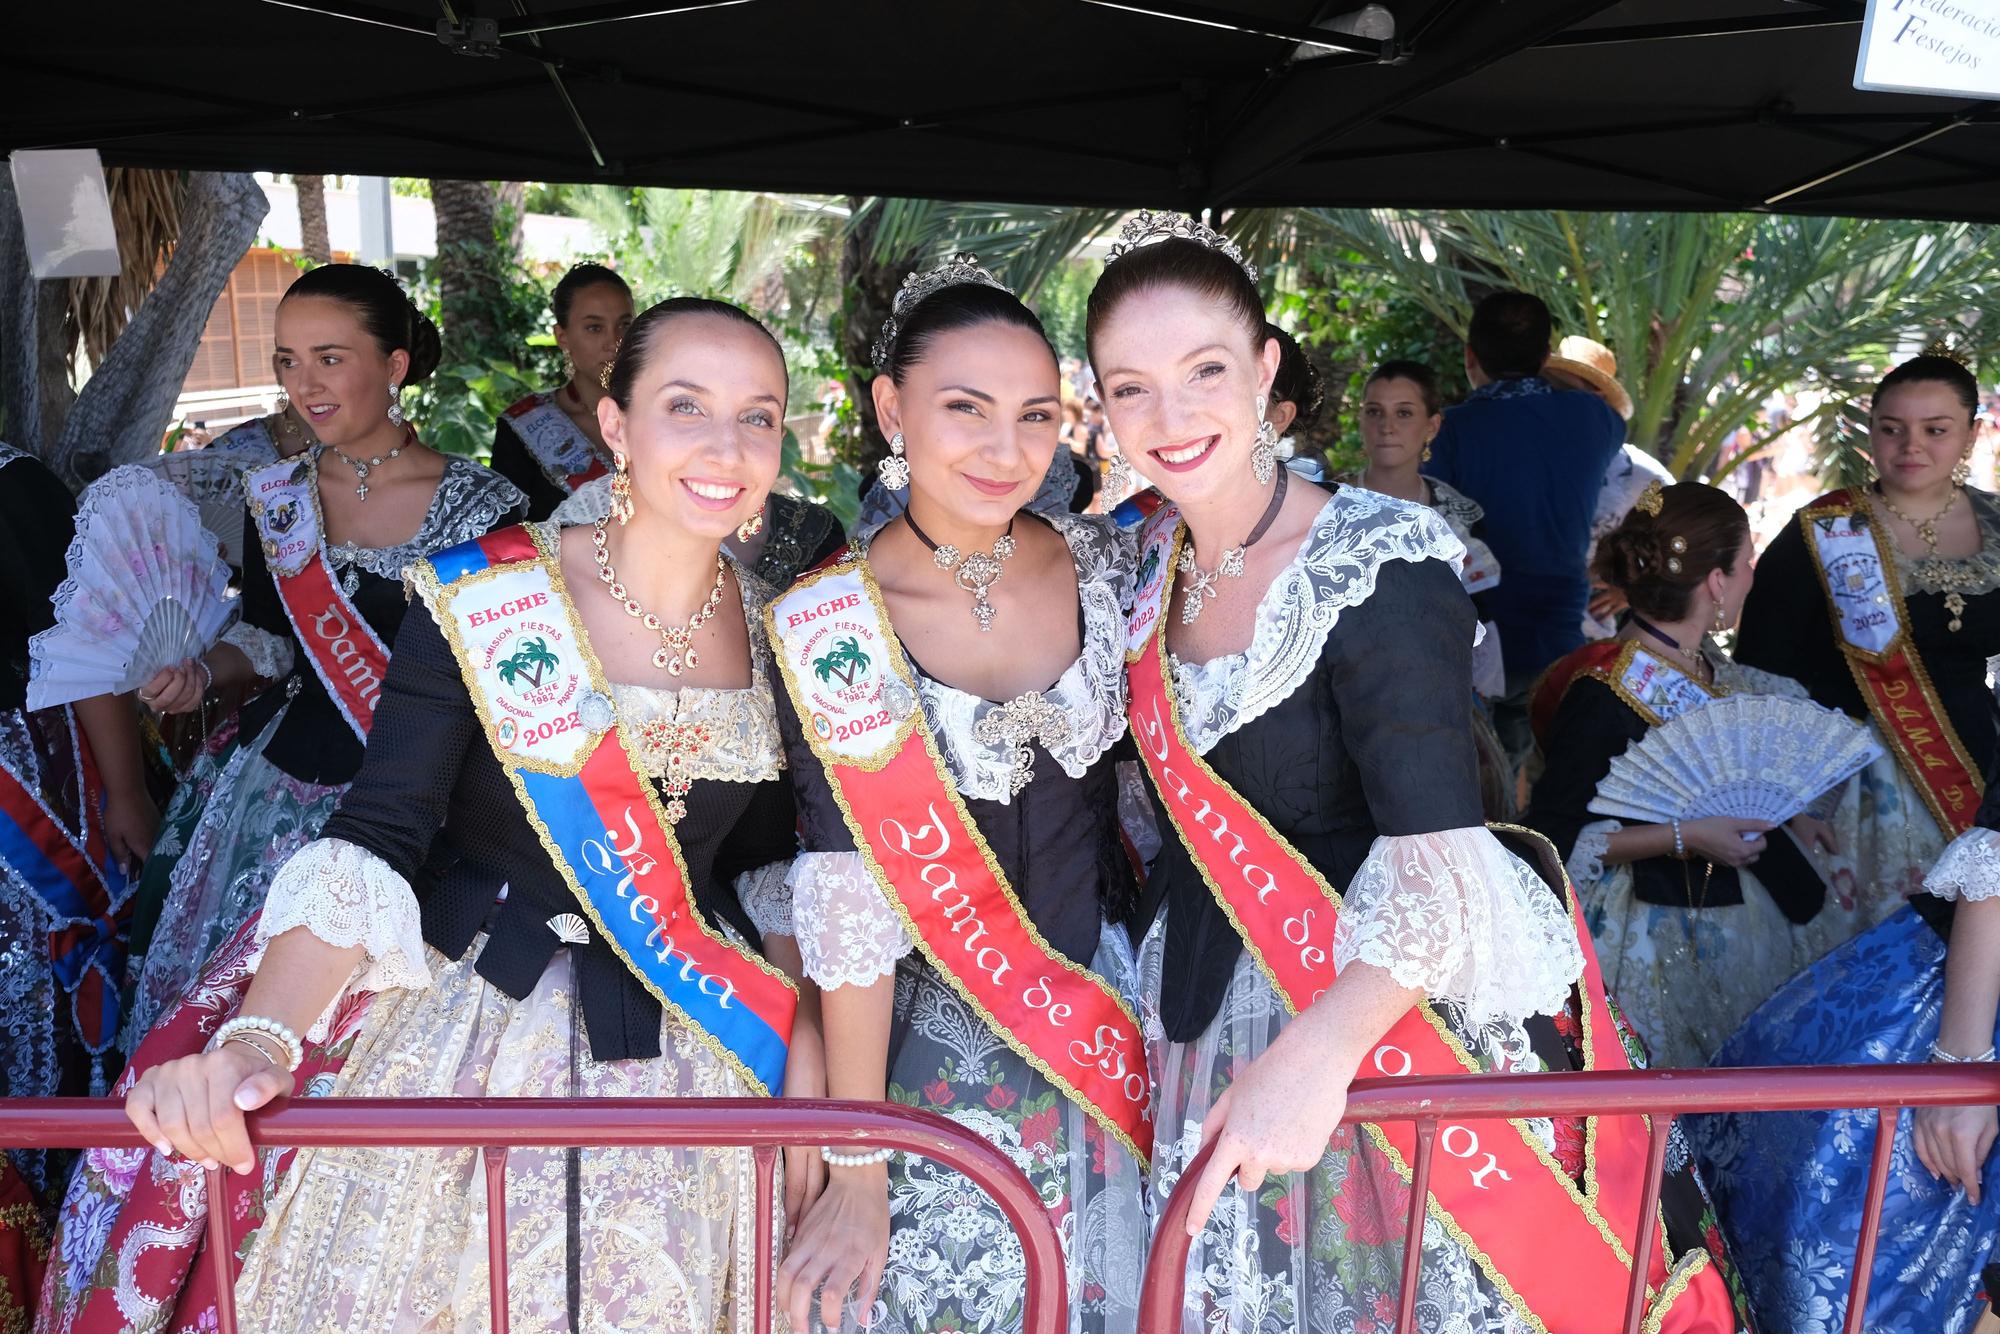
(1534, 456)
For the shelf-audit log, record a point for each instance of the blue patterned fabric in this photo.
(1789, 1185)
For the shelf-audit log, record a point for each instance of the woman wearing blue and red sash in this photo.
(579, 717)
(317, 614)
(1328, 904)
(951, 704)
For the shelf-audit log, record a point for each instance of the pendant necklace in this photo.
(361, 469)
(676, 652)
(1702, 670)
(1934, 568)
(1202, 585)
(976, 573)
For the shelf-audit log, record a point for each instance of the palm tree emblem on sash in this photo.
(528, 666)
(846, 661)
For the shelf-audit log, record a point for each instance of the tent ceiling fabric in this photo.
(1641, 104)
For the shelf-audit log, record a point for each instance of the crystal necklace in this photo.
(676, 652)
(976, 573)
(1202, 585)
(361, 469)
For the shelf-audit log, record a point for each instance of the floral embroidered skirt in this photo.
(253, 817)
(1322, 1251)
(1889, 838)
(1790, 1185)
(954, 1260)
(393, 1241)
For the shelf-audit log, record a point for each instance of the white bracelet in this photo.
(1940, 1054)
(868, 1159)
(295, 1052)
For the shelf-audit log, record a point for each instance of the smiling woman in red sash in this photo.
(1328, 904)
(1884, 601)
(953, 697)
(582, 718)
(325, 542)
(549, 444)
(1696, 924)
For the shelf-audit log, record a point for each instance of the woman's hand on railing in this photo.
(1276, 1118)
(1952, 1142)
(194, 1106)
(845, 1237)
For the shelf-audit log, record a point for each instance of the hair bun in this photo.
(426, 348)
(1630, 552)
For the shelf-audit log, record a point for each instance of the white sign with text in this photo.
(1931, 46)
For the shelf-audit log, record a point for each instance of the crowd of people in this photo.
(612, 770)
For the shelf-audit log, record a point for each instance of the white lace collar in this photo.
(1335, 568)
(1090, 694)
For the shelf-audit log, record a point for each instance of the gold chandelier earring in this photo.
(1961, 472)
(750, 527)
(1721, 626)
(621, 489)
(1425, 457)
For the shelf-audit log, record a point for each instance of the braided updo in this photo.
(1639, 556)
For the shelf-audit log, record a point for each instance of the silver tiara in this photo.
(1148, 226)
(960, 269)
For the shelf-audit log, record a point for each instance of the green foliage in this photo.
(1023, 244)
(715, 243)
(456, 408)
(1060, 302)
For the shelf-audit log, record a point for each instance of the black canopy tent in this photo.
(1640, 104)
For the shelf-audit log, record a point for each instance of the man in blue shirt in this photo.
(1534, 457)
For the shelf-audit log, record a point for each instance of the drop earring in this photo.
(1721, 625)
(395, 404)
(284, 401)
(568, 367)
(894, 471)
(1118, 476)
(1264, 454)
(750, 527)
(1961, 472)
(1425, 457)
(621, 490)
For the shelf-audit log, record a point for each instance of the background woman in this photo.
(1023, 718)
(548, 444)
(392, 912)
(1692, 938)
(349, 342)
(1305, 661)
(1925, 547)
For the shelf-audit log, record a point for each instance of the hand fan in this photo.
(1754, 757)
(212, 481)
(146, 588)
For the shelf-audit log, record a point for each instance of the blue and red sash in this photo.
(547, 712)
(558, 445)
(75, 876)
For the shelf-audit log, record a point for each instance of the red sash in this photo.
(338, 641)
(1561, 1254)
(1871, 623)
(1649, 685)
(857, 699)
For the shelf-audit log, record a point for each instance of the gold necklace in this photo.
(1931, 567)
(676, 652)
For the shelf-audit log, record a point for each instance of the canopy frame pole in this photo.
(1943, 126)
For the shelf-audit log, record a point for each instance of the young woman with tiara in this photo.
(546, 675)
(1328, 904)
(1696, 922)
(1884, 602)
(951, 702)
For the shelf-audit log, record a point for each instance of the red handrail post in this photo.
(1886, 1121)
(497, 1285)
(767, 1165)
(1413, 1230)
(221, 1249)
(1658, 1129)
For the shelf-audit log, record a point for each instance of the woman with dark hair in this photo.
(951, 705)
(1329, 904)
(1692, 938)
(326, 538)
(1884, 602)
(549, 444)
(1892, 620)
(546, 674)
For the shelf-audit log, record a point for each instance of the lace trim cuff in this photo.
(347, 896)
(766, 896)
(1459, 917)
(1586, 859)
(848, 934)
(1969, 870)
(270, 655)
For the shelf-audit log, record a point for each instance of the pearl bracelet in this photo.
(869, 1159)
(1680, 848)
(295, 1052)
(1940, 1054)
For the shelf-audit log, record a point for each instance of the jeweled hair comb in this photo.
(960, 269)
(1148, 227)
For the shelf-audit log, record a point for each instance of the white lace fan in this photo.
(212, 480)
(146, 588)
(1754, 757)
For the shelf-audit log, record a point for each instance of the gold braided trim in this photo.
(1585, 1199)
(438, 598)
(27, 1220)
(1684, 1272)
(1858, 660)
(897, 661)
(1612, 674)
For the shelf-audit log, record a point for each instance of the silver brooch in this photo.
(898, 699)
(1029, 717)
(596, 711)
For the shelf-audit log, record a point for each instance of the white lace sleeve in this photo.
(1586, 859)
(766, 895)
(348, 896)
(1457, 915)
(1969, 869)
(270, 655)
(848, 934)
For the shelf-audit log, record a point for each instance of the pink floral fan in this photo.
(146, 588)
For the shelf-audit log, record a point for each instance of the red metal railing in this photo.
(1887, 1088)
(497, 1125)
